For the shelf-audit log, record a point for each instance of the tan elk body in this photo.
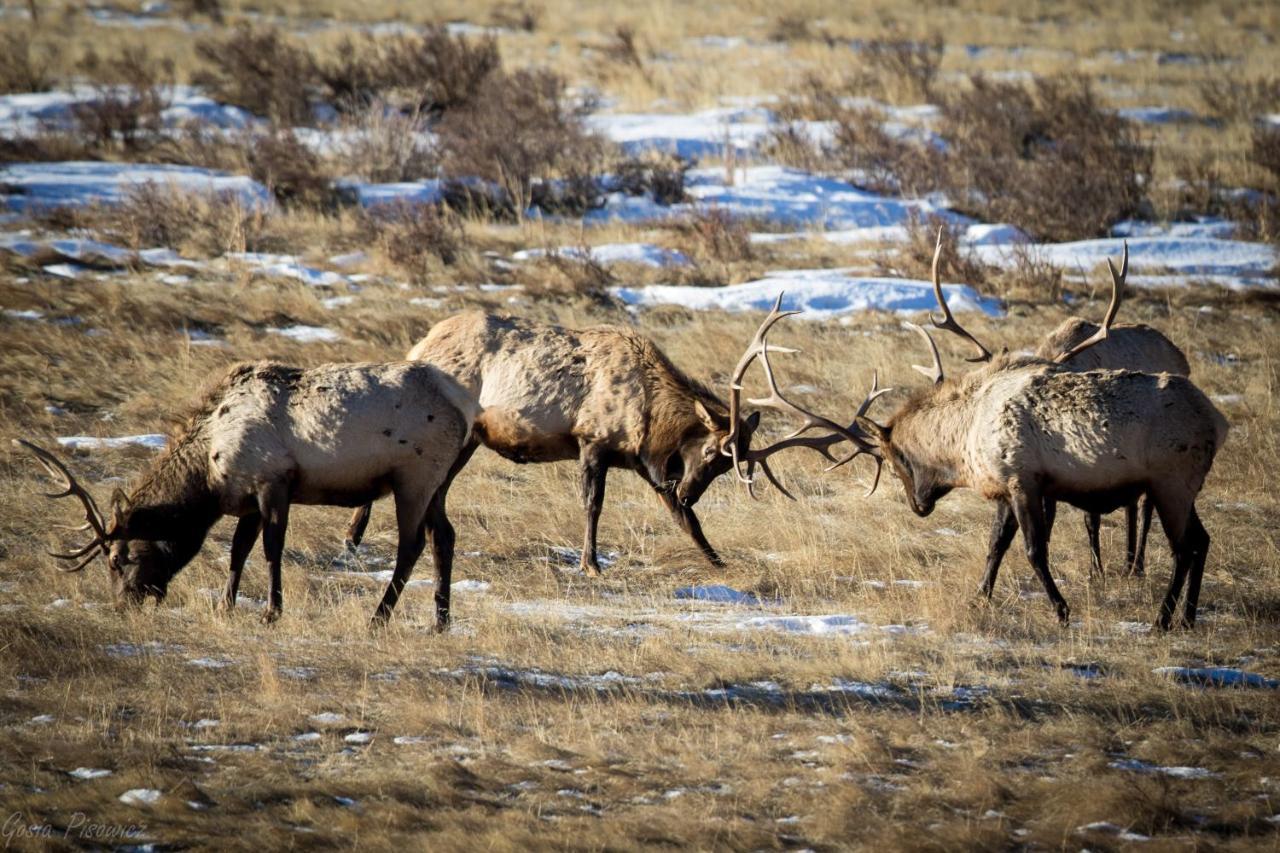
(606, 396)
(267, 436)
(1027, 432)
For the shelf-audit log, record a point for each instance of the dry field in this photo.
(562, 711)
(849, 696)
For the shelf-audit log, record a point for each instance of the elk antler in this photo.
(760, 347)
(1117, 289)
(934, 373)
(71, 488)
(948, 322)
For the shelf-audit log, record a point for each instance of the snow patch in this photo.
(33, 186)
(718, 593)
(88, 773)
(151, 441)
(307, 334)
(1217, 676)
(140, 797)
(1137, 765)
(641, 254)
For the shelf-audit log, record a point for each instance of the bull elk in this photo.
(1083, 346)
(605, 396)
(267, 436)
(1027, 433)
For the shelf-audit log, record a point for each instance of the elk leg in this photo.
(274, 507)
(1029, 511)
(594, 471)
(1197, 543)
(355, 530)
(1137, 566)
(1003, 527)
(411, 523)
(689, 523)
(440, 532)
(1092, 525)
(242, 540)
(1175, 517)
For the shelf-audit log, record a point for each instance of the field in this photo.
(835, 686)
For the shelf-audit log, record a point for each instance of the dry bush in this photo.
(199, 144)
(130, 92)
(519, 131)
(871, 157)
(1048, 158)
(1228, 98)
(260, 71)
(796, 28)
(517, 16)
(625, 49)
(901, 71)
(655, 174)
(211, 9)
(46, 145)
(1264, 150)
(1032, 277)
(711, 233)
(383, 145)
(790, 144)
(21, 69)
(152, 215)
(295, 175)
(434, 71)
(418, 238)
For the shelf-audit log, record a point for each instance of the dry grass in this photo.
(986, 738)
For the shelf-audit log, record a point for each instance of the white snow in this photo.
(210, 663)
(308, 334)
(89, 773)
(29, 314)
(1156, 115)
(1109, 828)
(782, 196)
(820, 294)
(1137, 765)
(152, 441)
(286, 266)
(828, 625)
(469, 586)
(140, 797)
(718, 593)
(359, 738)
(1217, 676)
(44, 185)
(327, 718)
(29, 113)
(642, 254)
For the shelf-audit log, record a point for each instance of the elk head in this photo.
(139, 567)
(698, 461)
(736, 445)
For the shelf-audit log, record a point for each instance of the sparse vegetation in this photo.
(260, 70)
(130, 92)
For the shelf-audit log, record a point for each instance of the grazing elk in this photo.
(1125, 346)
(605, 395)
(267, 436)
(1025, 432)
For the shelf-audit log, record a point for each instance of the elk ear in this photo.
(712, 421)
(750, 423)
(875, 434)
(119, 509)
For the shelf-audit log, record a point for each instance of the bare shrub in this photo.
(130, 92)
(655, 174)
(789, 144)
(383, 145)
(1048, 158)
(1030, 276)
(21, 69)
(517, 132)
(260, 71)
(517, 16)
(797, 28)
(712, 233)
(1228, 98)
(294, 174)
(1264, 150)
(915, 256)
(902, 71)
(418, 238)
(211, 9)
(47, 145)
(205, 146)
(160, 215)
(624, 48)
(871, 157)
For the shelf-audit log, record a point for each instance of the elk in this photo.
(267, 436)
(1076, 345)
(1027, 433)
(605, 396)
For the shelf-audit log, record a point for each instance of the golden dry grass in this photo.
(980, 730)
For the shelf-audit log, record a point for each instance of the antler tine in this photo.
(1117, 291)
(758, 346)
(80, 565)
(934, 373)
(948, 321)
(93, 518)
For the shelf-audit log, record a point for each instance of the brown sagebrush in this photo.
(294, 174)
(925, 234)
(870, 156)
(384, 145)
(442, 71)
(902, 70)
(518, 15)
(655, 174)
(715, 234)
(260, 70)
(22, 68)
(1264, 150)
(1227, 98)
(130, 91)
(1048, 158)
(416, 237)
(518, 131)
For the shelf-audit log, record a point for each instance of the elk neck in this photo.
(174, 501)
(932, 430)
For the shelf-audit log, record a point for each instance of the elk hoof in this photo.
(225, 607)
(441, 626)
(591, 570)
(981, 601)
(1064, 615)
(270, 615)
(351, 545)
